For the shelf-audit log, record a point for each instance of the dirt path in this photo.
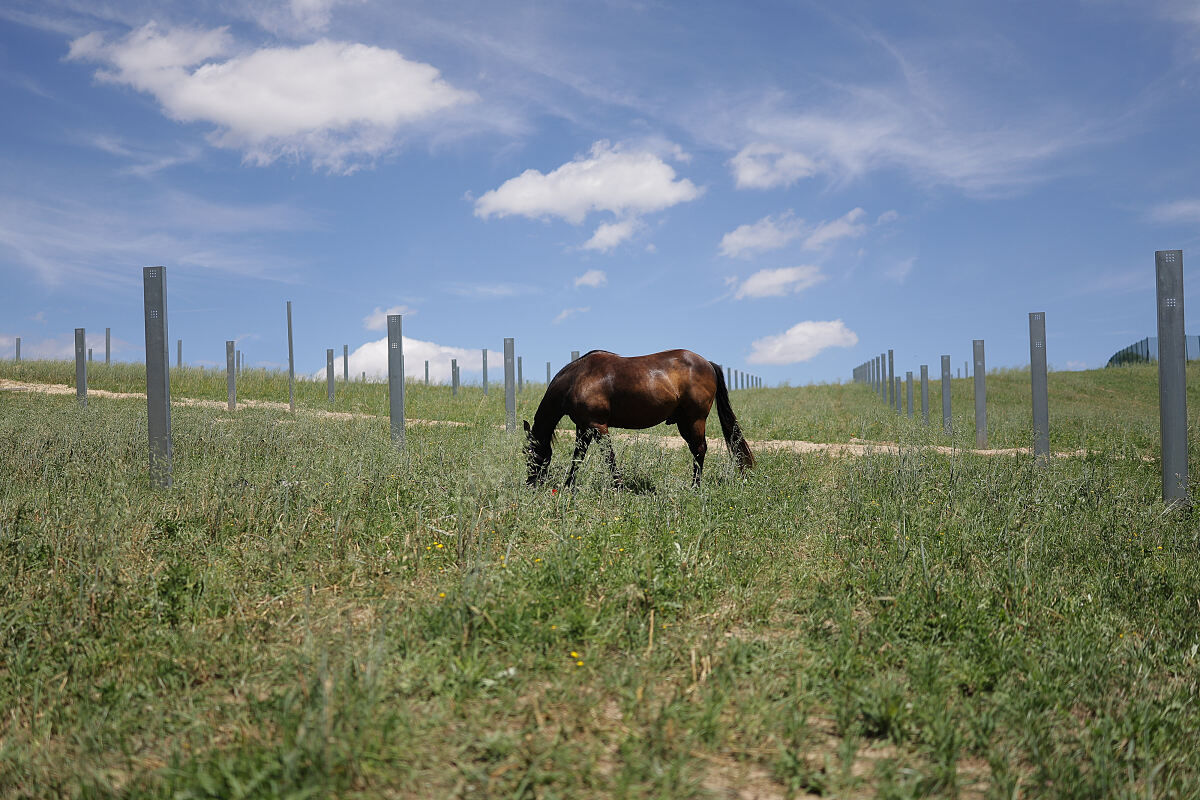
(855, 447)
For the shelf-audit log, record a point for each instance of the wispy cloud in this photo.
(779, 282)
(900, 270)
(491, 290)
(593, 278)
(801, 342)
(767, 166)
(1177, 212)
(769, 233)
(569, 312)
(846, 226)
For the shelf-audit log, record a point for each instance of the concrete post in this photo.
(158, 376)
(510, 388)
(980, 394)
(1038, 385)
(396, 378)
(346, 363)
(231, 374)
(908, 380)
(108, 345)
(454, 377)
(329, 372)
(81, 367)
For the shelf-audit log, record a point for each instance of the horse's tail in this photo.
(729, 424)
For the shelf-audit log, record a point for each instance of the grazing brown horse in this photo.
(602, 390)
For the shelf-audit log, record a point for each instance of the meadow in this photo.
(309, 613)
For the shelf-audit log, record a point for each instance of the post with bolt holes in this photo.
(485, 391)
(925, 393)
(908, 382)
(510, 387)
(329, 372)
(108, 345)
(231, 374)
(1038, 385)
(980, 394)
(454, 377)
(81, 367)
(1172, 377)
(158, 376)
(396, 378)
(291, 363)
(946, 395)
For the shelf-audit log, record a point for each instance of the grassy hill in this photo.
(309, 613)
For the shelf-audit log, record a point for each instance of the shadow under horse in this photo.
(601, 390)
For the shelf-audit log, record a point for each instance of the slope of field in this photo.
(309, 613)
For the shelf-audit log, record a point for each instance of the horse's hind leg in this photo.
(583, 437)
(618, 481)
(693, 433)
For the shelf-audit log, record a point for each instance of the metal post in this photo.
(329, 372)
(1038, 385)
(925, 393)
(908, 380)
(89, 354)
(81, 367)
(510, 389)
(1172, 376)
(946, 395)
(547, 373)
(396, 378)
(485, 389)
(980, 394)
(520, 376)
(291, 363)
(108, 345)
(158, 376)
(18, 349)
(454, 377)
(345, 363)
(237, 364)
(426, 373)
(891, 371)
(896, 393)
(574, 355)
(231, 374)
(179, 353)
(364, 376)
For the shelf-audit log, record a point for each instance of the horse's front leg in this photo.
(583, 437)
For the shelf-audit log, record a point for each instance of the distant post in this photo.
(158, 376)
(108, 345)
(345, 363)
(231, 374)
(89, 354)
(329, 372)
(908, 381)
(291, 363)
(237, 364)
(81, 367)
(510, 389)
(980, 394)
(891, 371)
(925, 393)
(547, 373)
(520, 376)
(18, 349)
(1172, 377)
(396, 378)
(426, 373)
(485, 389)
(454, 377)
(896, 393)
(179, 353)
(574, 355)
(1038, 385)
(946, 395)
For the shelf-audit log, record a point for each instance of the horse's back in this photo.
(640, 391)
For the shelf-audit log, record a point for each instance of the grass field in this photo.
(309, 614)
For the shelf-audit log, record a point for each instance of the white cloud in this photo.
(767, 166)
(295, 17)
(336, 103)
(1076, 365)
(779, 282)
(1180, 211)
(372, 358)
(625, 182)
(900, 271)
(801, 342)
(769, 233)
(888, 216)
(611, 234)
(847, 225)
(595, 278)
(377, 319)
(568, 312)
(491, 290)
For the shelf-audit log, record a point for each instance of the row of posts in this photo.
(879, 374)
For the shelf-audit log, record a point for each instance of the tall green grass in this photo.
(310, 613)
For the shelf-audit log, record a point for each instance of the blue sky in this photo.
(784, 187)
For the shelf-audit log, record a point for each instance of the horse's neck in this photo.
(548, 413)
